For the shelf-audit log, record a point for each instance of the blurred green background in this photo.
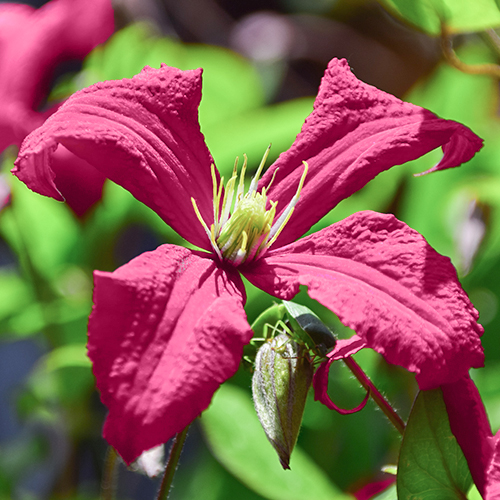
(263, 61)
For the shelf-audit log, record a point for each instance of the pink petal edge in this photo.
(142, 133)
(166, 330)
(385, 282)
(343, 348)
(493, 472)
(469, 424)
(355, 132)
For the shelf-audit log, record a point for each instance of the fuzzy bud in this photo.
(282, 377)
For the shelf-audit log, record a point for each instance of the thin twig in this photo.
(452, 58)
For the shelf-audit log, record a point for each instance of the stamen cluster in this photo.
(246, 232)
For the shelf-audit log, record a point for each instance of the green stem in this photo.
(173, 461)
(110, 475)
(376, 395)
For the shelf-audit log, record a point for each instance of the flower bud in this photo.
(282, 377)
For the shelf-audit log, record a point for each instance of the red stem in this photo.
(375, 394)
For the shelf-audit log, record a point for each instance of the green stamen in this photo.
(246, 232)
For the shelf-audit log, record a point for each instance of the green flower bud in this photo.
(282, 377)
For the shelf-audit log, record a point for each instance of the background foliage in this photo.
(262, 65)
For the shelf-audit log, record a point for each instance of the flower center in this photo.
(246, 232)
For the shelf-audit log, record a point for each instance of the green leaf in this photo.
(70, 355)
(388, 494)
(238, 442)
(458, 15)
(429, 200)
(431, 463)
(39, 229)
(474, 494)
(233, 115)
(15, 294)
(459, 96)
(252, 131)
(230, 83)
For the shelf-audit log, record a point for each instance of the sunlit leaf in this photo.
(458, 15)
(233, 117)
(41, 231)
(15, 294)
(467, 99)
(238, 442)
(63, 375)
(459, 96)
(230, 83)
(254, 130)
(431, 463)
(66, 356)
(474, 494)
(39, 315)
(388, 494)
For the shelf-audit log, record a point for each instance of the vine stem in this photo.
(471, 69)
(173, 461)
(375, 394)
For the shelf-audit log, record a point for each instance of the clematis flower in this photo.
(33, 42)
(169, 327)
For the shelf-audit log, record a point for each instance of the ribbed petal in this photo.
(165, 331)
(469, 424)
(355, 132)
(78, 181)
(385, 282)
(493, 474)
(32, 43)
(142, 133)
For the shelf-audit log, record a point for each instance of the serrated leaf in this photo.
(431, 463)
(238, 442)
(458, 15)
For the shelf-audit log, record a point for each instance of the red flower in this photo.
(169, 327)
(33, 42)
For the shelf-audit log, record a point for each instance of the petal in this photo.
(493, 473)
(469, 424)
(32, 43)
(385, 282)
(346, 347)
(320, 384)
(372, 490)
(142, 133)
(355, 132)
(79, 183)
(165, 331)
